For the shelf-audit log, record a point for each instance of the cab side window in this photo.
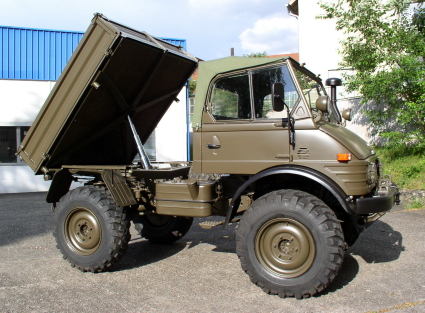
(262, 81)
(230, 99)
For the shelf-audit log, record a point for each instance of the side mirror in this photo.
(278, 96)
(346, 115)
(322, 103)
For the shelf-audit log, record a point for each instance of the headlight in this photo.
(372, 174)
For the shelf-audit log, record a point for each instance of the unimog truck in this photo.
(270, 152)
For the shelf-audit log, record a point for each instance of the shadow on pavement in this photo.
(142, 252)
(379, 243)
(349, 270)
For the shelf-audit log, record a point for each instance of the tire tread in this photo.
(325, 220)
(115, 218)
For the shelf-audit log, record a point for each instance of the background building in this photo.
(319, 42)
(31, 60)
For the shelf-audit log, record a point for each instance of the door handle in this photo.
(210, 146)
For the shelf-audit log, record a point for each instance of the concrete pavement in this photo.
(383, 272)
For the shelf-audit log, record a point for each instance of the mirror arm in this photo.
(292, 132)
(290, 122)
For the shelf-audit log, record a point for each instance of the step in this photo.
(211, 224)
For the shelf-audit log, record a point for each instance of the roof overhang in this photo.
(292, 7)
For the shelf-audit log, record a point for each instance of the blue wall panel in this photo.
(176, 42)
(38, 54)
(35, 54)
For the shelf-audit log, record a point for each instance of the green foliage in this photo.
(385, 46)
(192, 88)
(415, 204)
(405, 165)
(256, 55)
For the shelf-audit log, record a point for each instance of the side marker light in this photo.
(343, 157)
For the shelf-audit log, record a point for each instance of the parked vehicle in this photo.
(269, 147)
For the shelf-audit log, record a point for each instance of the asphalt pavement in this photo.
(383, 272)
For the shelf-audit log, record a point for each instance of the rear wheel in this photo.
(162, 228)
(92, 231)
(290, 243)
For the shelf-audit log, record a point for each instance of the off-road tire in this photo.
(290, 244)
(162, 229)
(91, 230)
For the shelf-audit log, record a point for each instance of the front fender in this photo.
(316, 176)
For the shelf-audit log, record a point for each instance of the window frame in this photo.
(18, 140)
(210, 94)
(291, 69)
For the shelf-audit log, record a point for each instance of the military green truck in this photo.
(269, 146)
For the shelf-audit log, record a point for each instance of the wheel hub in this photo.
(82, 231)
(285, 247)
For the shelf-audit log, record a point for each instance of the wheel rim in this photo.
(285, 247)
(83, 231)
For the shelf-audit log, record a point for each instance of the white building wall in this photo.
(20, 102)
(20, 178)
(171, 132)
(319, 42)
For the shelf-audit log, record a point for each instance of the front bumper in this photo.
(378, 204)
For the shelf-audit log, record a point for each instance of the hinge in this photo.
(45, 156)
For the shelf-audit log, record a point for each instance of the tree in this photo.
(385, 46)
(256, 55)
(192, 87)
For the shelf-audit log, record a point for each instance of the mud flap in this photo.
(117, 185)
(59, 186)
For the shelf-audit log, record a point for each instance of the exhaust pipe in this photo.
(333, 83)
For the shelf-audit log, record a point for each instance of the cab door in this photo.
(241, 134)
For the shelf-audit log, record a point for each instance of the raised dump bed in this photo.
(114, 72)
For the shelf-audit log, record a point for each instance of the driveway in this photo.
(383, 272)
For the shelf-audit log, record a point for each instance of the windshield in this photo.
(313, 89)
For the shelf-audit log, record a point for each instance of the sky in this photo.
(211, 27)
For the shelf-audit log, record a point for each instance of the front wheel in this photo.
(290, 244)
(92, 231)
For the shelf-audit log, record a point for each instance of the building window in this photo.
(10, 139)
(191, 107)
